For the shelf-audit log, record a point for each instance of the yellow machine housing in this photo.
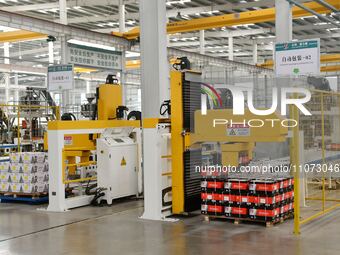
(231, 153)
(109, 98)
(206, 132)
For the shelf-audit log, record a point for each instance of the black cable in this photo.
(164, 192)
(89, 188)
(68, 116)
(167, 105)
(98, 193)
(175, 67)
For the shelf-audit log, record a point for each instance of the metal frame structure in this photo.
(256, 16)
(84, 14)
(316, 13)
(18, 116)
(19, 21)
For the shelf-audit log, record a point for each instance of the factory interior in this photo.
(169, 127)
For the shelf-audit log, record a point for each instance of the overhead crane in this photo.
(20, 36)
(257, 16)
(332, 68)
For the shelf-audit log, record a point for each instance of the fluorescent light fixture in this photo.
(94, 45)
(177, 2)
(312, 16)
(131, 54)
(187, 38)
(110, 24)
(332, 29)
(244, 25)
(28, 72)
(7, 29)
(320, 23)
(54, 10)
(210, 12)
(79, 9)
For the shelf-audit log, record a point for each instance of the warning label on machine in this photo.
(123, 162)
(68, 140)
(238, 130)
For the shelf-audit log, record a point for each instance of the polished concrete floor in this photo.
(117, 230)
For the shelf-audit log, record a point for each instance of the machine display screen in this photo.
(118, 140)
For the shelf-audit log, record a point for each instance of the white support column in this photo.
(255, 60)
(56, 195)
(154, 78)
(202, 42)
(16, 92)
(7, 80)
(63, 12)
(121, 9)
(65, 93)
(283, 21)
(88, 87)
(231, 48)
(154, 63)
(6, 52)
(50, 52)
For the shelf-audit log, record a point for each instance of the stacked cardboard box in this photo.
(26, 172)
(260, 199)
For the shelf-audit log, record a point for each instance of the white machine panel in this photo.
(117, 164)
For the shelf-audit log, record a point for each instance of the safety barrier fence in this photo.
(315, 153)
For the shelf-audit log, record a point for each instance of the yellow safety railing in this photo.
(18, 107)
(314, 198)
(294, 155)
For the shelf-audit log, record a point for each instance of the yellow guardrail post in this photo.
(57, 111)
(18, 129)
(295, 164)
(323, 150)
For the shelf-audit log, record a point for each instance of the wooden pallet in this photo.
(21, 194)
(237, 221)
(26, 198)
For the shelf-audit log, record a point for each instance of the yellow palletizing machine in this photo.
(189, 128)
